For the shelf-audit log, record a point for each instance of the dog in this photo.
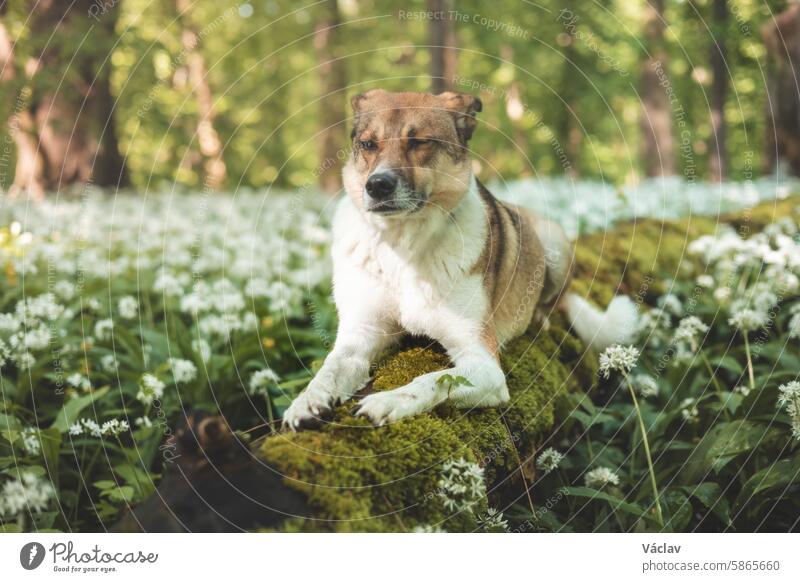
(420, 246)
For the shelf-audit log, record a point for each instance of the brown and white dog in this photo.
(422, 247)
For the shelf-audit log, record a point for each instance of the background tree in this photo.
(444, 54)
(718, 146)
(62, 121)
(658, 143)
(782, 39)
(333, 86)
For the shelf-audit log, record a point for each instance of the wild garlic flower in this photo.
(79, 381)
(618, 358)
(689, 410)
(261, 381)
(150, 388)
(687, 336)
(748, 320)
(28, 493)
(789, 398)
(492, 521)
(461, 485)
(645, 385)
(89, 427)
(5, 353)
(109, 363)
(705, 280)
(549, 460)
(600, 477)
(183, 371)
(793, 328)
(103, 329)
(31, 441)
(128, 307)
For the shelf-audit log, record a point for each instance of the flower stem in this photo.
(717, 387)
(749, 361)
(659, 514)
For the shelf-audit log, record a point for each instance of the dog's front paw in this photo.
(390, 406)
(309, 410)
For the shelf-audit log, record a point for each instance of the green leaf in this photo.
(677, 510)
(734, 438)
(124, 494)
(73, 407)
(615, 502)
(51, 447)
(104, 484)
(709, 494)
(779, 475)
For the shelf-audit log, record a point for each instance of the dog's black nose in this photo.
(381, 186)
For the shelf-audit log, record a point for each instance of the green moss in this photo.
(360, 478)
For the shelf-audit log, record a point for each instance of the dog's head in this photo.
(410, 151)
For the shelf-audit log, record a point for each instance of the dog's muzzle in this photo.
(386, 193)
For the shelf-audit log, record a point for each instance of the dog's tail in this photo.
(598, 329)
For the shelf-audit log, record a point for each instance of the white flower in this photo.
(461, 486)
(128, 307)
(618, 358)
(144, 421)
(4, 353)
(28, 493)
(114, 427)
(182, 370)
(689, 410)
(706, 281)
(744, 389)
(793, 329)
(64, 289)
(262, 380)
(109, 363)
(76, 429)
(79, 381)
(748, 319)
(645, 385)
(549, 460)
(150, 388)
(687, 336)
(492, 521)
(103, 329)
(790, 398)
(31, 441)
(597, 478)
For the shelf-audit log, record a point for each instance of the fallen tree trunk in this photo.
(349, 476)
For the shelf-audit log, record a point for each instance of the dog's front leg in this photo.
(344, 372)
(485, 386)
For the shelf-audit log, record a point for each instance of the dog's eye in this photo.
(414, 143)
(368, 145)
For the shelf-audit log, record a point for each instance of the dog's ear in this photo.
(464, 108)
(358, 102)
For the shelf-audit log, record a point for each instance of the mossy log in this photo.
(350, 476)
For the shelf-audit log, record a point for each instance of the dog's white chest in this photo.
(419, 277)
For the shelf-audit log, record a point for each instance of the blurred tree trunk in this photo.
(569, 130)
(658, 142)
(213, 169)
(718, 149)
(64, 129)
(782, 141)
(442, 39)
(333, 83)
